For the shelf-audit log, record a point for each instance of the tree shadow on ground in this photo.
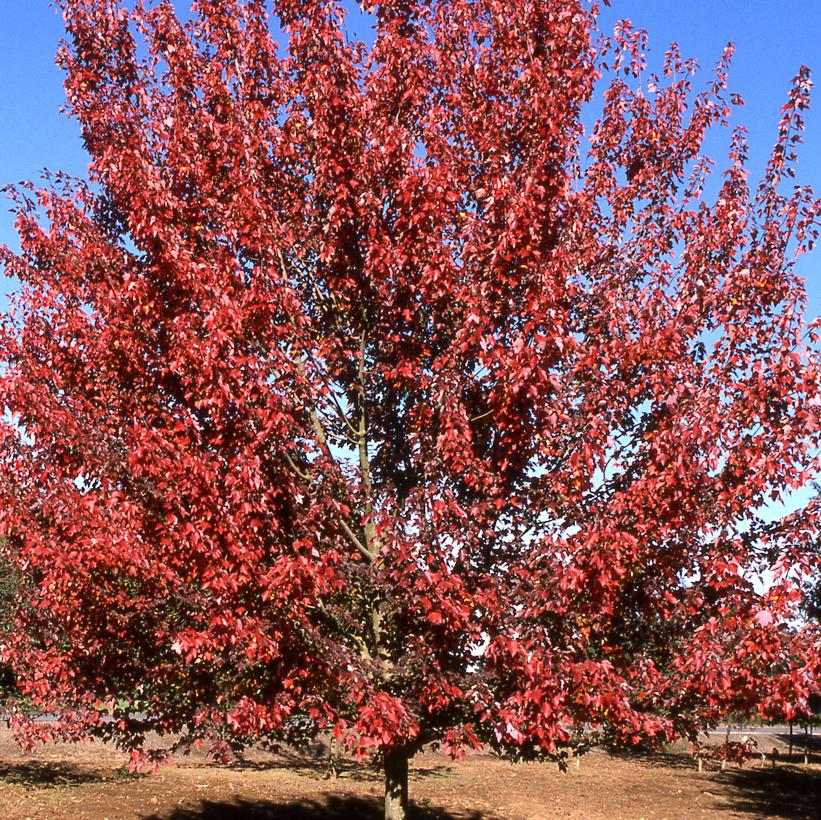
(801, 743)
(657, 758)
(42, 774)
(318, 766)
(787, 792)
(331, 807)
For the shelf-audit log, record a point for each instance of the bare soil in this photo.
(90, 782)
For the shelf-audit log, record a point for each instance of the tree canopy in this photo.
(360, 390)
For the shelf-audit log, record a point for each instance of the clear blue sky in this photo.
(773, 38)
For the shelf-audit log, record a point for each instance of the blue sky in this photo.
(773, 38)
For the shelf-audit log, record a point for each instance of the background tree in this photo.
(359, 391)
(9, 583)
(812, 598)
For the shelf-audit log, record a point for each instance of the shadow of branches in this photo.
(787, 792)
(657, 758)
(317, 766)
(331, 807)
(801, 742)
(40, 774)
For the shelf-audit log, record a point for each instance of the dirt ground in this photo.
(89, 782)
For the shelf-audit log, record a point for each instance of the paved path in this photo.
(759, 730)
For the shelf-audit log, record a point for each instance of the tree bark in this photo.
(396, 784)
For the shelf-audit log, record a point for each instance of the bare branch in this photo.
(355, 540)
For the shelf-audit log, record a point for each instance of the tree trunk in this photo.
(396, 784)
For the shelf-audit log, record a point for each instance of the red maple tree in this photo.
(360, 391)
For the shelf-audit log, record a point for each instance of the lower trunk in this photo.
(396, 784)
